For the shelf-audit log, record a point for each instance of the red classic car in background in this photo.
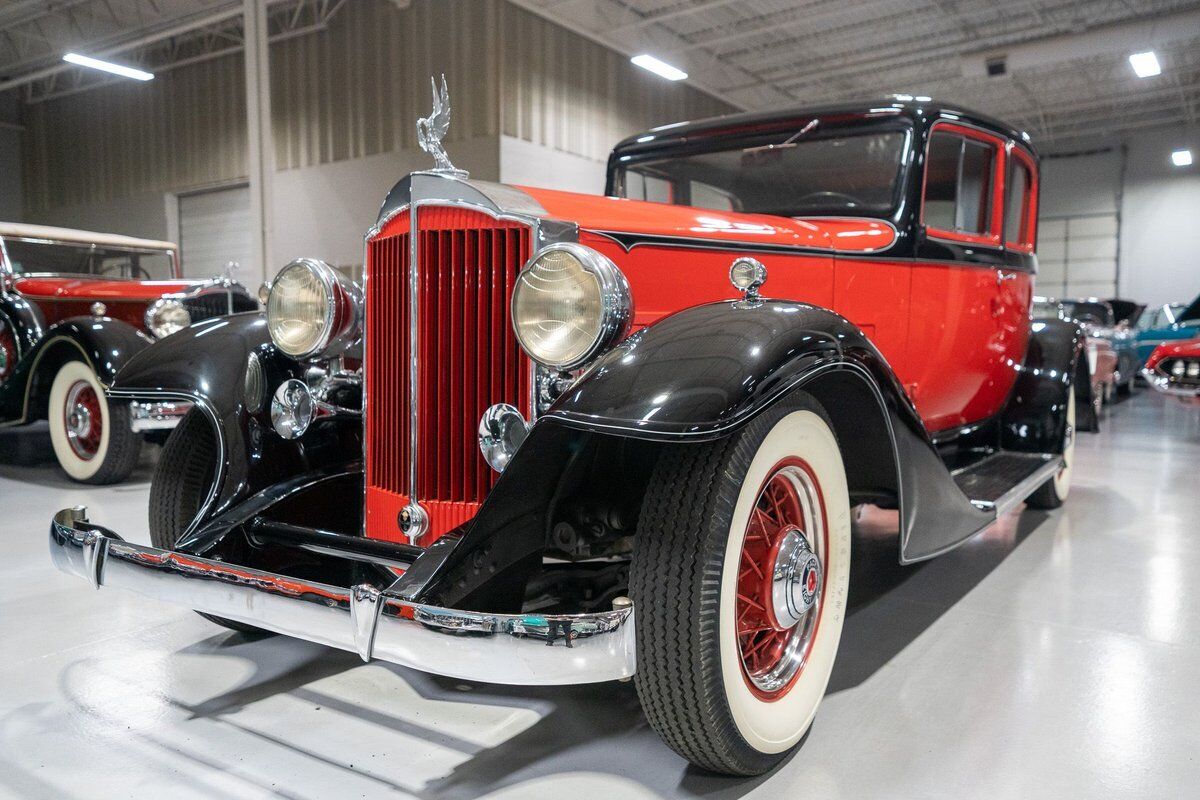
(1174, 369)
(74, 307)
(545, 414)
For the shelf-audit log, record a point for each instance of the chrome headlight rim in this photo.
(151, 317)
(616, 303)
(341, 314)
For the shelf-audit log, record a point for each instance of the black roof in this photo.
(905, 106)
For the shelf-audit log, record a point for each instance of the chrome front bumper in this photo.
(1160, 383)
(525, 649)
(156, 415)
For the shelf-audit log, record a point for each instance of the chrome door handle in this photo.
(1003, 275)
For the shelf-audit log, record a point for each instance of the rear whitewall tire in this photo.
(1053, 493)
(116, 448)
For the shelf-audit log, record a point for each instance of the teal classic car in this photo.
(1166, 323)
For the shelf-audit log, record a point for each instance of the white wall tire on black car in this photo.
(91, 437)
(1053, 493)
(740, 575)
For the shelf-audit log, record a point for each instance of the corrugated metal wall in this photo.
(353, 90)
(571, 94)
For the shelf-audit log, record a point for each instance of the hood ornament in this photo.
(432, 129)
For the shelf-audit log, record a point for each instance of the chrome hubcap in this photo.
(795, 580)
(82, 420)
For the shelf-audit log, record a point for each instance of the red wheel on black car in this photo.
(8, 352)
(91, 437)
(740, 574)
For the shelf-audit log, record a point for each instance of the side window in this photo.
(704, 195)
(639, 186)
(958, 184)
(1016, 204)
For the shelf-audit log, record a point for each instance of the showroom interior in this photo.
(449, 355)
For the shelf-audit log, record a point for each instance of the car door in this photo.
(969, 307)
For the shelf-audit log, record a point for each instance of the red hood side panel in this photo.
(96, 289)
(618, 215)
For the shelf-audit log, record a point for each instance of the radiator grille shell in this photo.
(467, 359)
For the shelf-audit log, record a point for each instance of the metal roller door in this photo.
(1077, 256)
(214, 229)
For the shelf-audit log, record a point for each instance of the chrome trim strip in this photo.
(516, 649)
(1160, 383)
(414, 531)
(157, 415)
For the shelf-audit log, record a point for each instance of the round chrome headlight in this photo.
(166, 316)
(312, 309)
(570, 303)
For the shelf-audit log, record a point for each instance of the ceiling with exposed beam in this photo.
(1066, 69)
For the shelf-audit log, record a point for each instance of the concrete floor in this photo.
(1056, 656)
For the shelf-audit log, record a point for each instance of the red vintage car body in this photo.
(1159, 374)
(63, 297)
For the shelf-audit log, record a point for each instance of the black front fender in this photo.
(105, 344)
(206, 364)
(1034, 417)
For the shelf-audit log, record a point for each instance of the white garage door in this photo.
(1077, 256)
(214, 229)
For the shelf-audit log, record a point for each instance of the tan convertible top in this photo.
(19, 230)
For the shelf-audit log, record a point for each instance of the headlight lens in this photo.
(311, 309)
(569, 303)
(166, 316)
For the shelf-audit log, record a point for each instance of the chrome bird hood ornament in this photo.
(432, 129)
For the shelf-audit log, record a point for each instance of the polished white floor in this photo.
(1057, 656)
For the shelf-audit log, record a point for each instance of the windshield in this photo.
(800, 173)
(30, 257)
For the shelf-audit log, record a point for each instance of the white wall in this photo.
(528, 164)
(1160, 219)
(1159, 206)
(324, 211)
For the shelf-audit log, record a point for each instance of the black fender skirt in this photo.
(105, 344)
(206, 364)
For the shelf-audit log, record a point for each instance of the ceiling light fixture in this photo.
(1145, 65)
(660, 68)
(1182, 158)
(108, 66)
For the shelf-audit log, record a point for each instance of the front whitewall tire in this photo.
(775, 726)
(113, 452)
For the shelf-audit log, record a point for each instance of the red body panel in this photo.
(63, 297)
(1190, 348)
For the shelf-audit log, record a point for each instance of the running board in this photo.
(1002, 481)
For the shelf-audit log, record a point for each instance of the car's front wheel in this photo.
(91, 437)
(740, 574)
(180, 486)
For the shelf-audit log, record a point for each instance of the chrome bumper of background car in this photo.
(1162, 384)
(156, 415)
(527, 649)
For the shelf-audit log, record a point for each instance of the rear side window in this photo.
(1017, 221)
(639, 186)
(958, 184)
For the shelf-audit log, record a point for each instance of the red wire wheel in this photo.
(8, 352)
(84, 420)
(780, 578)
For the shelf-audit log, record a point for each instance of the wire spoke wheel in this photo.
(779, 579)
(83, 419)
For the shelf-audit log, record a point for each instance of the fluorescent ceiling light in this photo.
(1145, 65)
(108, 66)
(660, 68)
(1182, 158)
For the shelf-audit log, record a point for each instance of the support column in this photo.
(260, 161)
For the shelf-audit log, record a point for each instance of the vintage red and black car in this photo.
(75, 306)
(1174, 369)
(556, 438)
